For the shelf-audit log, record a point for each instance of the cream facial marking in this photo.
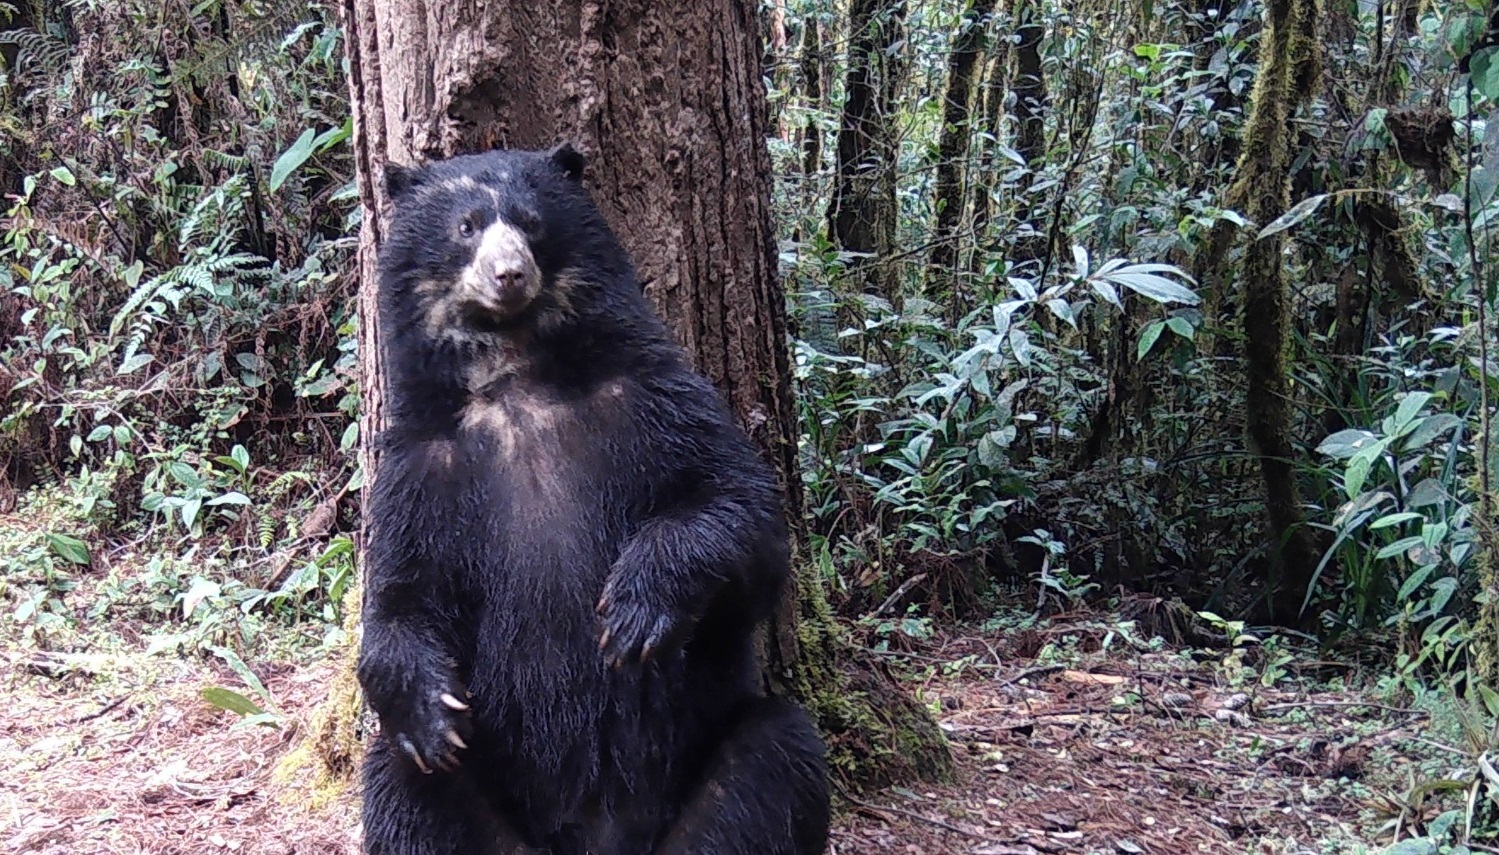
(503, 278)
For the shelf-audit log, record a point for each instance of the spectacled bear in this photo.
(571, 545)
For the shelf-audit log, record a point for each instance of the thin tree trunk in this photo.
(811, 73)
(1029, 87)
(862, 215)
(671, 109)
(995, 87)
(953, 143)
(1285, 80)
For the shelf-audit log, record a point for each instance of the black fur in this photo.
(571, 537)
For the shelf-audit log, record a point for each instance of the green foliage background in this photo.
(1055, 413)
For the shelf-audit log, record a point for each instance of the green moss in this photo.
(319, 769)
(1286, 77)
(877, 733)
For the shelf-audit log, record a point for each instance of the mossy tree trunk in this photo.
(1288, 70)
(671, 108)
(995, 86)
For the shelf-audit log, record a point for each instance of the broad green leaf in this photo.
(1080, 258)
(1433, 533)
(190, 510)
(1376, 135)
(64, 175)
(228, 699)
(1157, 288)
(1181, 326)
(1414, 581)
(292, 158)
(1484, 71)
(1372, 451)
(68, 547)
(200, 590)
(1398, 547)
(1355, 476)
(1430, 428)
(1409, 407)
(132, 274)
(1106, 291)
(1490, 699)
(350, 437)
(1020, 346)
(184, 474)
(1148, 337)
(1345, 443)
(1393, 519)
(99, 433)
(1414, 846)
(229, 498)
(1428, 492)
(333, 136)
(241, 456)
(1298, 212)
(1441, 592)
(1063, 310)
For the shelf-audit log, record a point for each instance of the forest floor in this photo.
(1067, 739)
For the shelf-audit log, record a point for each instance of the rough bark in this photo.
(953, 143)
(1029, 88)
(813, 90)
(672, 110)
(995, 87)
(1288, 66)
(862, 215)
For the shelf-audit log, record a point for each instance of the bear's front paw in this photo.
(637, 624)
(430, 728)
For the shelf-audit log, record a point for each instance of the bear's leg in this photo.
(407, 812)
(764, 793)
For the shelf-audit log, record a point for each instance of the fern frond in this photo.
(37, 51)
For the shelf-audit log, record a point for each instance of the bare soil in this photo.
(1091, 752)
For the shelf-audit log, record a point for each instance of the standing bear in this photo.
(571, 546)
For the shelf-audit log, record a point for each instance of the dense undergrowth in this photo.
(1054, 409)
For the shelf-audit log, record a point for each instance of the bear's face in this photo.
(477, 242)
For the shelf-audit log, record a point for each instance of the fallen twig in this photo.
(101, 711)
(1295, 704)
(1038, 671)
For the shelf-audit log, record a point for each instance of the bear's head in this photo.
(483, 245)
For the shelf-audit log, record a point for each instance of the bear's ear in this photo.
(401, 181)
(569, 160)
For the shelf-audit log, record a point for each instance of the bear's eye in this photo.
(466, 227)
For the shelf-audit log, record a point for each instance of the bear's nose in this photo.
(509, 279)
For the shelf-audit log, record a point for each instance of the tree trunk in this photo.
(671, 108)
(952, 145)
(811, 72)
(862, 215)
(995, 86)
(1029, 87)
(1285, 80)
